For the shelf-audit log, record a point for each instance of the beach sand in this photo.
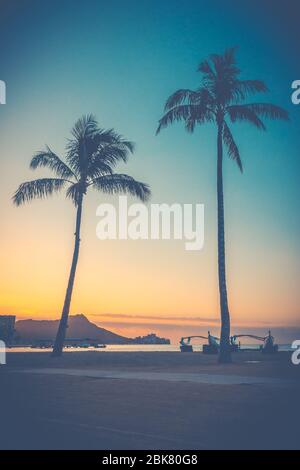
(149, 400)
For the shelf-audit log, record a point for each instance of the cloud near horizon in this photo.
(132, 320)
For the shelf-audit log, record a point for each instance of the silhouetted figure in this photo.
(269, 347)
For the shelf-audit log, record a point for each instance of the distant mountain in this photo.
(79, 327)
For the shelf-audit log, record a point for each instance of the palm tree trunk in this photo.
(63, 324)
(225, 355)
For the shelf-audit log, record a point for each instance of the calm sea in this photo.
(138, 347)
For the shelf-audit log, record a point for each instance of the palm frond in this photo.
(105, 145)
(229, 58)
(180, 97)
(225, 65)
(75, 191)
(78, 148)
(111, 149)
(219, 76)
(241, 112)
(268, 110)
(99, 167)
(178, 113)
(50, 160)
(191, 114)
(232, 148)
(106, 137)
(84, 126)
(119, 183)
(244, 88)
(91, 154)
(206, 69)
(199, 115)
(37, 189)
(114, 151)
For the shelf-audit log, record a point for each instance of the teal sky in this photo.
(121, 60)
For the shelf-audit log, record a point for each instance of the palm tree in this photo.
(219, 100)
(91, 155)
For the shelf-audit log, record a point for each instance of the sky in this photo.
(120, 61)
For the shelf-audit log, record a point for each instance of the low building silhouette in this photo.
(7, 328)
(151, 338)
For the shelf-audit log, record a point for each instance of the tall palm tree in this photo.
(91, 156)
(219, 100)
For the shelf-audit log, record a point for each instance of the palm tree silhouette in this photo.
(220, 99)
(91, 155)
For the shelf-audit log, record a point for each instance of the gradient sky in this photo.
(121, 60)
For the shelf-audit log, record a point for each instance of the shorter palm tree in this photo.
(91, 156)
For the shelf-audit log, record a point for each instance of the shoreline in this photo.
(137, 348)
(245, 363)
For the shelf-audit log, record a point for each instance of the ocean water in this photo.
(138, 348)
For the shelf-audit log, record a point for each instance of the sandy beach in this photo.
(140, 400)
